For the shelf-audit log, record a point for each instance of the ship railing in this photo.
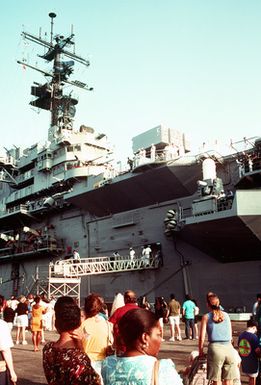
(207, 205)
(252, 169)
(8, 161)
(40, 245)
(17, 208)
(101, 265)
(158, 156)
(5, 251)
(26, 176)
(14, 210)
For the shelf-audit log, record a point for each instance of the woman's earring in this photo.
(146, 345)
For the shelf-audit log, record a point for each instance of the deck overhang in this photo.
(229, 235)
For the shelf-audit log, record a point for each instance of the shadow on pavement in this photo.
(25, 381)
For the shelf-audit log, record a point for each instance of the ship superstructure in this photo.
(39, 176)
(200, 215)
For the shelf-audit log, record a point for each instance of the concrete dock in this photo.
(28, 364)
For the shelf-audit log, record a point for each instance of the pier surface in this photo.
(29, 369)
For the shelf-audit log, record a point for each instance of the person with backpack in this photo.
(248, 347)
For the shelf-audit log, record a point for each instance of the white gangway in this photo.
(65, 275)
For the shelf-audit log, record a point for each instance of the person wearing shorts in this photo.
(174, 318)
(221, 363)
(221, 360)
(21, 320)
(248, 346)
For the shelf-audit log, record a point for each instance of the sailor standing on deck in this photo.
(146, 252)
(130, 163)
(76, 256)
(132, 255)
(153, 152)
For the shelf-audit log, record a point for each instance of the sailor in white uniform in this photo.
(146, 255)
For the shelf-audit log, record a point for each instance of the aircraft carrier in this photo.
(69, 214)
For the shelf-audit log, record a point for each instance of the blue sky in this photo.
(193, 65)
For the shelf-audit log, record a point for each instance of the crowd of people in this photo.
(34, 313)
(25, 314)
(95, 347)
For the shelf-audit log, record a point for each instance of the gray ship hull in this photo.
(185, 267)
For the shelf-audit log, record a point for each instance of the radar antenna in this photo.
(50, 96)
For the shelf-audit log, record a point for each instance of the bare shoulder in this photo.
(204, 318)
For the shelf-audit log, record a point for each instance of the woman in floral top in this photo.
(64, 361)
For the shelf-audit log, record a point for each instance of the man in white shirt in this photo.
(6, 359)
(146, 255)
(76, 256)
(132, 256)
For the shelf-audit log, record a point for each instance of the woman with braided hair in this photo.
(221, 362)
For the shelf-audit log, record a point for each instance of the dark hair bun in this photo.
(67, 315)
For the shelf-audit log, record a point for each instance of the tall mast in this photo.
(50, 96)
(52, 15)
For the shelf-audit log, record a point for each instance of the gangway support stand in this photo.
(58, 287)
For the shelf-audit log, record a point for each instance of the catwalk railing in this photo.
(101, 265)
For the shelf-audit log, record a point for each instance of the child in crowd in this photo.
(248, 346)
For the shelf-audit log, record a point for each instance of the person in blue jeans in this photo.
(188, 312)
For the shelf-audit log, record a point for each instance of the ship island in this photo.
(72, 223)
